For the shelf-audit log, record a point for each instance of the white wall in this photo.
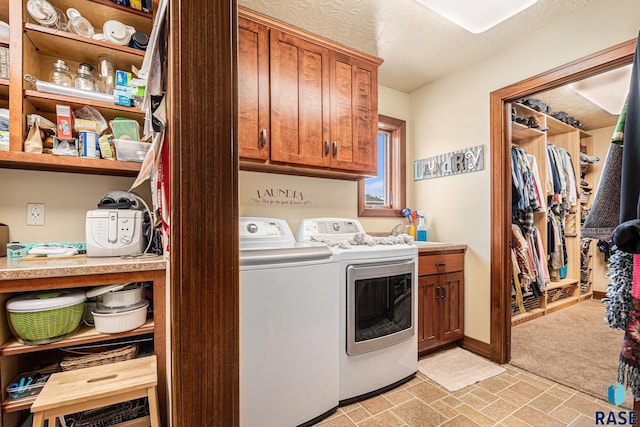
(601, 141)
(320, 197)
(67, 198)
(453, 113)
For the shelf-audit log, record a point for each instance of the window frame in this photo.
(396, 166)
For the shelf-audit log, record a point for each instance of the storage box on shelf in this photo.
(36, 49)
(17, 357)
(566, 291)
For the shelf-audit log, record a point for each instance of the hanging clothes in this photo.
(526, 189)
(527, 261)
(629, 362)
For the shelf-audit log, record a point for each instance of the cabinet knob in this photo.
(444, 292)
(263, 138)
(441, 264)
(326, 147)
(437, 293)
(335, 148)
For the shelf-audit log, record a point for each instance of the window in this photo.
(384, 194)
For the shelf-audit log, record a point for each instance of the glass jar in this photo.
(84, 77)
(60, 74)
(106, 74)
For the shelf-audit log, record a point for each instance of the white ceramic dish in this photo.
(127, 296)
(120, 321)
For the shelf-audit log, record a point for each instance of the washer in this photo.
(378, 347)
(288, 327)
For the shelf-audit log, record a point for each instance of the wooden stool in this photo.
(95, 387)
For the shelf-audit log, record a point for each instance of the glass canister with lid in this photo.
(84, 77)
(60, 74)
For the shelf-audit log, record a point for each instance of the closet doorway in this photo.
(500, 114)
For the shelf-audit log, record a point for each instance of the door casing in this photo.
(599, 62)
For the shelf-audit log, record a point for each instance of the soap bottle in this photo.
(422, 228)
(411, 230)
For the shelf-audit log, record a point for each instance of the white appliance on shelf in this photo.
(288, 327)
(378, 307)
(117, 232)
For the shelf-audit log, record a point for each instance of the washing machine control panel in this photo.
(328, 228)
(256, 229)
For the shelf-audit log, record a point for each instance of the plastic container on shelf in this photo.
(125, 129)
(29, 384)
(131, 151)
(47, 316)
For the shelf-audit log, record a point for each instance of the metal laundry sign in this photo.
(454, 163)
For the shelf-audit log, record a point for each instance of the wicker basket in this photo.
(70, 363)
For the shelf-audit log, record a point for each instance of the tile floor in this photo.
(514, 398)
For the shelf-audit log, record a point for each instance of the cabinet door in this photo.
(299, 101)
(253, 90)
(428, 314)
(354, 114)
(452, 306)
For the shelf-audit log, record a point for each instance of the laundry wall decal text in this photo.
(454, 163)
(279, 197)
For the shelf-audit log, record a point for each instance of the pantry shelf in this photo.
(85, 335)
(48, 101)
(51, 42)
(49, 162)
(126, 9)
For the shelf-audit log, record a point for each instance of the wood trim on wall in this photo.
(475, 346)
(204, 289)
(604, 60)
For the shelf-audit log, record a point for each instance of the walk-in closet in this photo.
(559, 142)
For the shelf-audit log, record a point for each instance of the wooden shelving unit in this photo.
(33, 49)
(85, 335)
(15, 356)
(566, 291)
(49, 162)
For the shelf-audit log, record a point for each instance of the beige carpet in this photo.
(455, 369)
(572, 346)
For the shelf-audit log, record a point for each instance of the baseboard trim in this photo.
(599, 294)
(475, 346)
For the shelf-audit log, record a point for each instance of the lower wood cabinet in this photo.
(440, 299)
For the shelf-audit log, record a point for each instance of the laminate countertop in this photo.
(426, 247)
(43, 267)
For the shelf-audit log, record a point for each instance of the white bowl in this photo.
(129, 295)
(120, 321)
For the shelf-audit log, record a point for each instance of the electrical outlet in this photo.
(35, 213)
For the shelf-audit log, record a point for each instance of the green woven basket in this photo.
(45, 325)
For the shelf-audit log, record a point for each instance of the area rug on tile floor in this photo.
(455, 369)
(573, 347)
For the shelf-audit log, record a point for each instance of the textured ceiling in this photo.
(565, 99)
(417, 45)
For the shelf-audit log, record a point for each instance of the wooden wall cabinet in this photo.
(440, 299)
(306, 106)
